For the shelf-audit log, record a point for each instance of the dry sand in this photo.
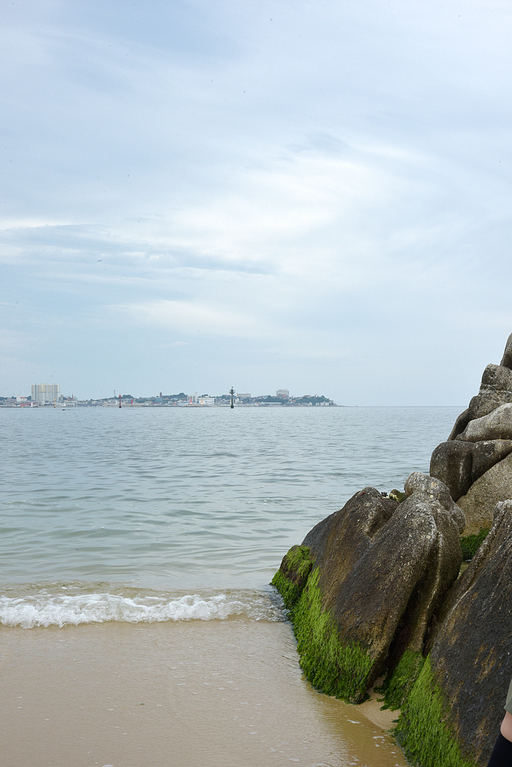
(189, 694)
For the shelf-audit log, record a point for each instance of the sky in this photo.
(314, 196)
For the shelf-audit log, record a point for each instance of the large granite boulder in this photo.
(495, 390)
(365, 582)
(452, 463)
(506, 360)
(456, 704)
(475, 462)
(459, 464)
(493, 486)
(495, 425)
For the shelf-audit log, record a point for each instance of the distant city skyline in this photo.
(47, 394)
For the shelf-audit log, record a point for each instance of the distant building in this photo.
(283, 394)
(44, 393)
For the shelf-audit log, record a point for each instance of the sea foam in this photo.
(72, 606)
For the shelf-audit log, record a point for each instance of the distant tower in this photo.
(232, 393)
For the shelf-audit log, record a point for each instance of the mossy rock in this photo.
(471, 543)
(401, 680)
(331, 667)
(291, 577)
(422, 729)
(397, 495)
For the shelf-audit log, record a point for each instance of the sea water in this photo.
(150, 517)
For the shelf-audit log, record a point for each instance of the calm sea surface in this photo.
(156, 514)
(137, 626)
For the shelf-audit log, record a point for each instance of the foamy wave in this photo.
(61, 608)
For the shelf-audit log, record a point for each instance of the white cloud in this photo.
(191, 319)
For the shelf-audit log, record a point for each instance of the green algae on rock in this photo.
(401, 680)
(332, 667)
(326, 663)
(374, 591)
(469, 649)
(363, 586)
(423, 730)
(471, 543)
(291, 577)
(374, 588)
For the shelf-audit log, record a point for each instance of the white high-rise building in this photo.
(44, 393)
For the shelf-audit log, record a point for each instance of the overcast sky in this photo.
(200, 194)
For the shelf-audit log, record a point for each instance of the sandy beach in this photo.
(216, 693)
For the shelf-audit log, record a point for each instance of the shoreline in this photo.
(385, 719)
(221, 693)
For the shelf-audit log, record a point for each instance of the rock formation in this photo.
(453, 712)
(476, 461)
(374, 590)
(365, 582)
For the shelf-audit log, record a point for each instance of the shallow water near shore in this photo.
(223, 694)
(137, 626)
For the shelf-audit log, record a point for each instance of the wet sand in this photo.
(217, 693)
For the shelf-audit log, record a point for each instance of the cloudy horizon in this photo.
(261, 195)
